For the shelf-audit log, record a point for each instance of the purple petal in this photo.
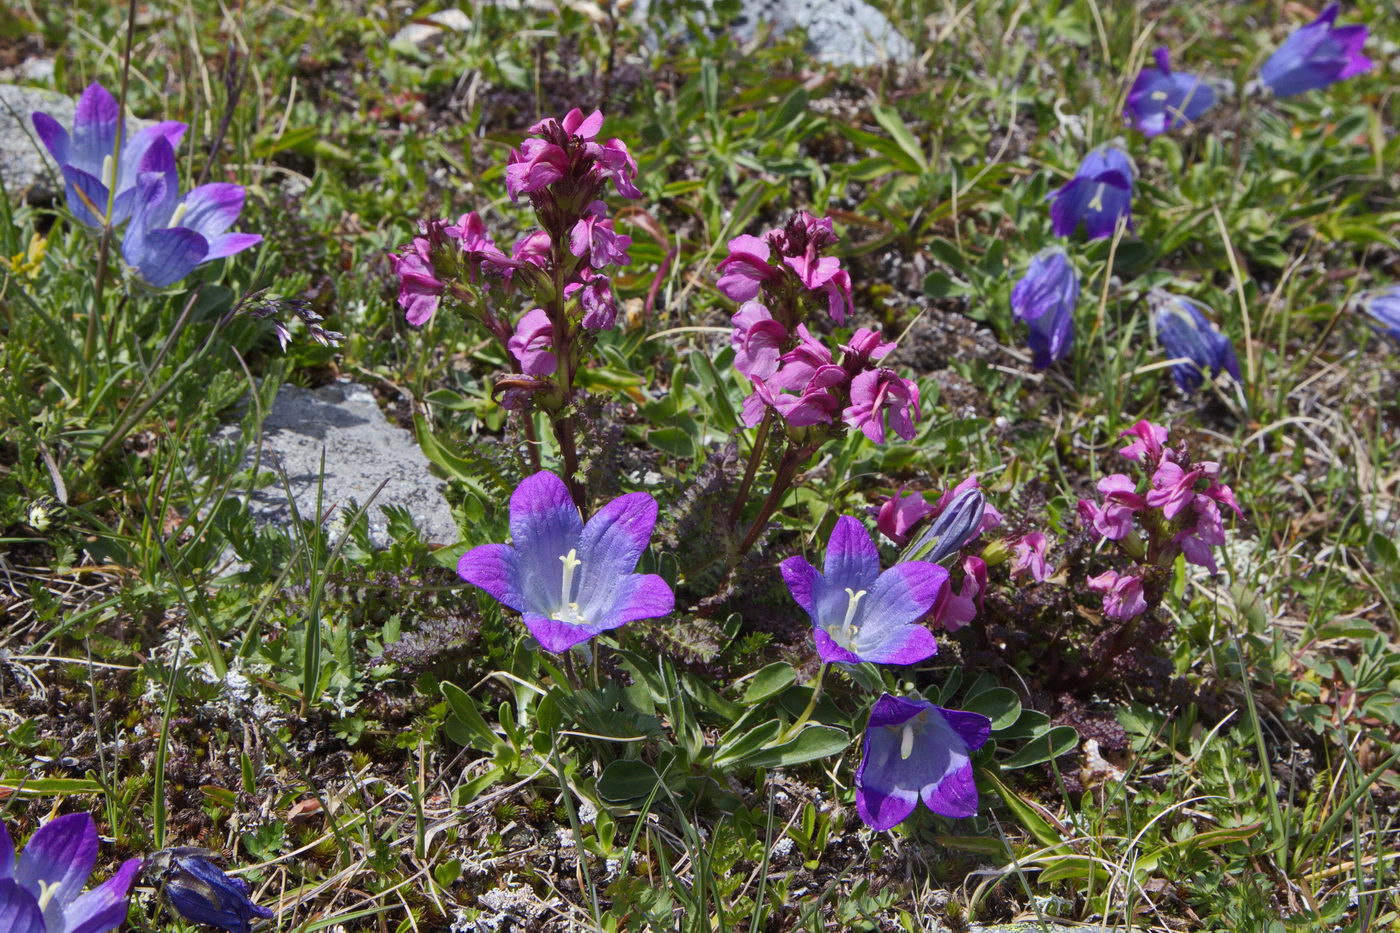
(554, 635)
(7, 854)
(904, 592)
(637, 596)
(134, 152)
(87, 197)
(95, 128)
(851, 557)
(880, 810)
(955, 795)
(61, 852)
(973, 728)
(211, 209)
(890, 710)
(613, 540)
(829, 651)
(910, 644)
(52, 134)
(493, 568)
(104, 907)
(803, 582)
(164, 257)
(19, 911)
(226, 244)
(544, 527)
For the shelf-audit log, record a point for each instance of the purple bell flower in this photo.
(1187, 334)
(41, 891)
(99, 161)
(1045, 299)
(1099, 194)
(1161, 99)
(200, 892)
(169, 236)
(914, 749)
(858, 613)
(1384, 307)
(1316, 55)
(571, 580)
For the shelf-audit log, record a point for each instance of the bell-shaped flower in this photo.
(168, 235)
(915, 750)
(1045, 299)
(1384, 308)
(1188, 336)
(954, 524)
(859, 613)
(1122, 594)
(201, 893)
(531, 343)
(571, 580)
(757, 339)
(41, 891)
(1098, 196)
(876, 392)
(1161, 99)
(1316, 55)
(99, 161)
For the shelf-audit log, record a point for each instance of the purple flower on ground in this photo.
(915, 750)
(1122, 594)
(1384, 307)
(877, 391)
(1186, 334)
(531, 343)
(1098, 196)
(757, 339)
(1161, 99)
(41, 891)
(1029, 556)
(201, 893)
(168, 235)
(571, 580)
(1316, 55)
(95, 166)
(1045, 299)
(859, 613)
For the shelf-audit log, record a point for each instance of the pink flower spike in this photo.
(900, 513)
(1172, 488)
(757, 340)
(1122, 594)
(1121, 502)
(530, 345)
(1029, 553)
(1148, 441)
(745, 269)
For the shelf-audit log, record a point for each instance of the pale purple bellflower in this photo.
(99, 161)
(41, 891)
(571, 580)
(197, 889)
(858, 613)
(1045, 299)
(1161, 99)
(1187, 334)
(915, 750)
(1384, 307)
(1099, 194)
(1316, 55)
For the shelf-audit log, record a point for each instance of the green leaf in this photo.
(464, 708)
(768, 682)
(1029, 817)
(44, 787)
(627, 779)
(811, 743)
(893, 123)
(1053, 743)
(1000, 704)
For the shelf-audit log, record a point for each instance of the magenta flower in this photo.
(534, 336)
(956, 609)
(915, 750)
(864, 347)
(876, 392)
(1114, 520)
(571, 580)
(536, 164)
(1122, 594)
(824, 274)
(420, 290)
(1316, 55)
(595, 237)
(900, 513)
(859, 613)
(613, 161)
(574, 123)
(41, 891)
(533, 248)
(98, 159)
(1205, 533)
(1173, 488)
(816, 402)
(1161, 99)
(470, 233)
(745, 269)
(1148, 439)
(1028, 552)
(595, 297)
(757, 339)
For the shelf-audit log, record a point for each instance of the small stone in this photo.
(427, 31)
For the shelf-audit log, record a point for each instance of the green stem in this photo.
(760, 441)
(801, 721)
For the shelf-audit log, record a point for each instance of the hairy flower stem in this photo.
(562, 421)
(792, 460)
(791, 731)
(755, 458)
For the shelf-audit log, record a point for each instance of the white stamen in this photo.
(906, 742)
(569, 611)
(109, 170)
(1159, 95)
(1097, 203)
(47, 891)
(855, 597)
(180, 211)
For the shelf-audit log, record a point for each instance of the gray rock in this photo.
(25, 166)
(363, 449)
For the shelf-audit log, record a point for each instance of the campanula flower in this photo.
(1384, 307)
(1098, 196)
(757, 339)
(859, 613)
(900, 513)
(956, 608)
(954, 524)
(1186, 334)
(914, 749)
(1028, 553)
(1316, 55)
(876, 392)
(1114, 519)
(571, 580)
(1146, 446)
(1161, 99)
(98, 159)
(1045, 299)
(530, 344)
(41, 891)
(168, 235)
(203, 894)
(1122, 594)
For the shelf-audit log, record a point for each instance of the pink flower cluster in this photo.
(1177, 513)
(776, 278)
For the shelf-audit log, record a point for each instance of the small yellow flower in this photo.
(27, 264)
